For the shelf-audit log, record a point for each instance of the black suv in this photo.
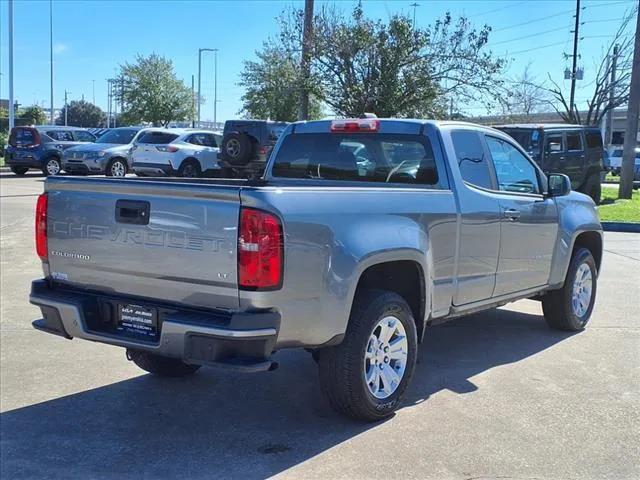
(246, 145)
(41, 147)
(574, 150)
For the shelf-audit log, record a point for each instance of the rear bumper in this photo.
(152, 169)
(29, 161)
(240, 340)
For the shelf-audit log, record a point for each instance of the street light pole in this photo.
(52, 120)
(11, 106)
(200, 50)
(66, 109)
(215, 88)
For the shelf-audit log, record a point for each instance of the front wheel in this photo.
(52, 166)
(570, 307)
(19, 170)
(159, 365)
(116, 168)
(366, 375)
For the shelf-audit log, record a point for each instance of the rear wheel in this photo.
(19, 170)
(366, 375)
(593, 188)
(189, 169)
(52, 166)
(570, 307)
(116, 168)
(159, 365)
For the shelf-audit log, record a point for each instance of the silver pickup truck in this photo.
(360, 235)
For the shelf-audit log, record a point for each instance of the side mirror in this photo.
(559, 185)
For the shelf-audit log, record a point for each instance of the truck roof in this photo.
(546, 126)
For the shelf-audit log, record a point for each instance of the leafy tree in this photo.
(393, 69)
(82, 114)
(272, 85)
(33, 115)
(151, 92)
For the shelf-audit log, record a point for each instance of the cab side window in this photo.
(554, 143)
(574, 142)
(82, 136)
(514, 171)
(474, 166)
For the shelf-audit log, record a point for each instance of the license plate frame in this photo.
(137, 320)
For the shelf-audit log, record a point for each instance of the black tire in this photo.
(162, 366)
(19, 170)
(593, 188)
(342, 368)
(116, 168)
(189, 168)
(48, 169)
(557, 305)
(237, 149)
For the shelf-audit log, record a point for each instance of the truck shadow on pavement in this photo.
(217, 424)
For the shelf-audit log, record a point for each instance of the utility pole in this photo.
(414, 5)
(193, 102)
(612, 94)
(93, 90)
(52, 120)
(633, 111)
(66, 109)
(200, 50)
(575, 60)
(305, 61)
(11, 106)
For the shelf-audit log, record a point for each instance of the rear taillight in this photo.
(356, 125)
(168, 148)
(260, 250)
(41, 227)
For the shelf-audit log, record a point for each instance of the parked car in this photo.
(42, 147)
(574, 150)
(171, 152)
(246, 145)
(109, 155)
(352, 263)
(615, 160)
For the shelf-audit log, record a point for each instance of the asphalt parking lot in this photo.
(495, 395)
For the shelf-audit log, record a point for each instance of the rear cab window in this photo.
(158, 138)
(358, 157)
(594, 139)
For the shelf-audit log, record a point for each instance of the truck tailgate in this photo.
(174, 242)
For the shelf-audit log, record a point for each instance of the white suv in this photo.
(181, 152)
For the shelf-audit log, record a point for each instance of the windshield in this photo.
(529, 139)
(118, 137)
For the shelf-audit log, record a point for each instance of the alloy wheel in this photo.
(385, 357)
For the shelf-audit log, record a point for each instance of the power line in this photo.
(533, 21)
(527, 36)
(535, 48)
(510, 5)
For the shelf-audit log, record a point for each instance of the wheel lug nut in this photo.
(386, 349)
(386, 359)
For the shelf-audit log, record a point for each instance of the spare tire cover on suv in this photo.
(237, 149)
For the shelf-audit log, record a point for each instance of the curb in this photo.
(621, 227)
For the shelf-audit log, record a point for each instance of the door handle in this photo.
(132, 211)
(511, 214)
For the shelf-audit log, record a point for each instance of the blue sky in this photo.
(91, 38)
